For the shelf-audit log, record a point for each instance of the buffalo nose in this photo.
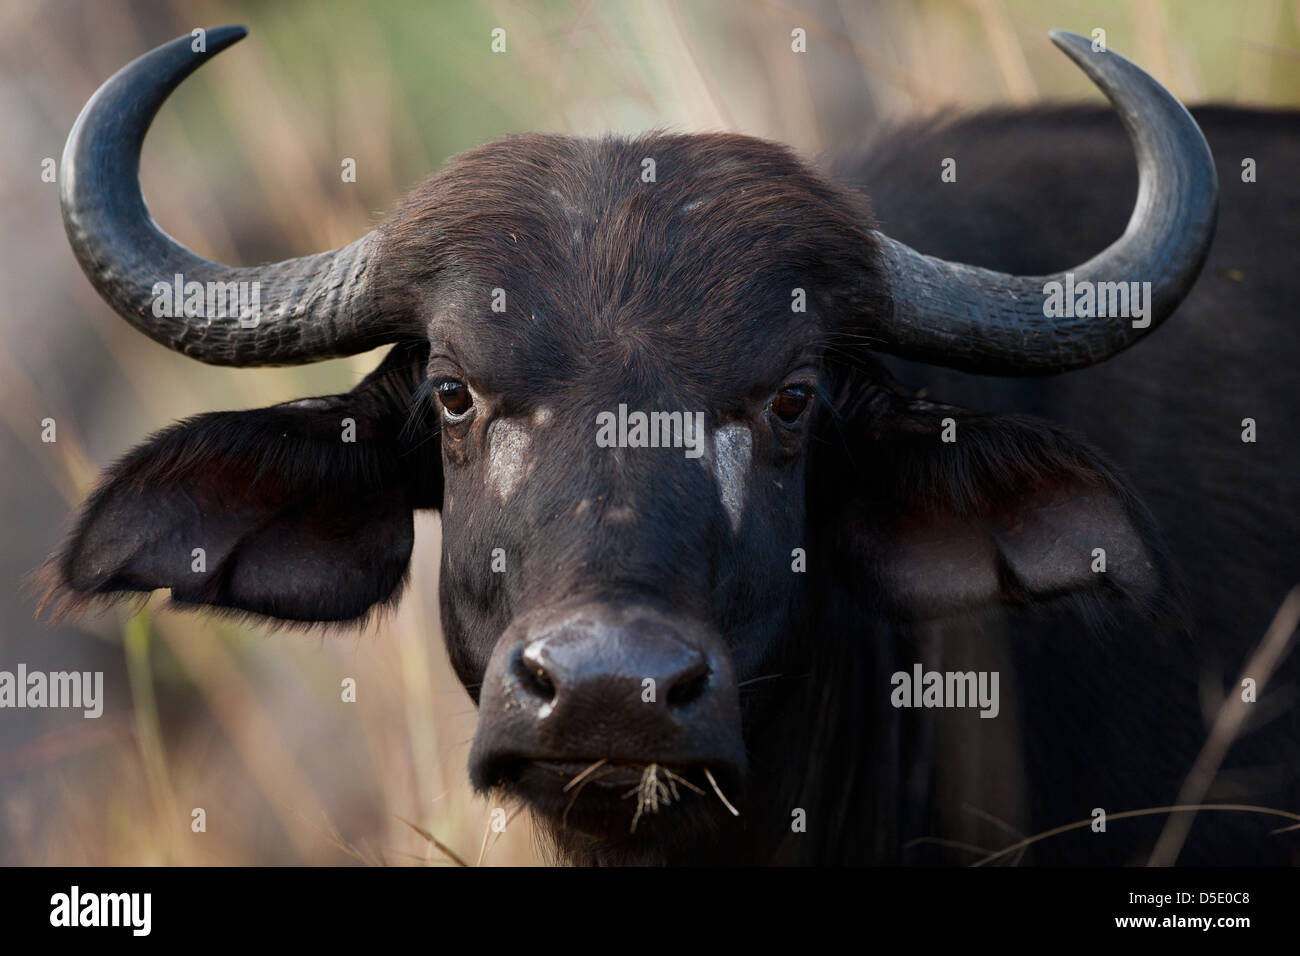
(616, 668)
(627, 684)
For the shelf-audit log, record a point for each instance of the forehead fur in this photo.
(578, 239)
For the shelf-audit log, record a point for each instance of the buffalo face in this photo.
(624, 522)
(635, 377)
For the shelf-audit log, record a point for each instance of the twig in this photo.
(1227, 727)
(718, 790)
(564, 820)
(1151, 811)
(442, 847)
(584, 773)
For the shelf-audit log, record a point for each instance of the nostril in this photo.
(533, 677)
(689, 686)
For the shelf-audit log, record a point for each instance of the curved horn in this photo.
(295, 311)
(978, 320)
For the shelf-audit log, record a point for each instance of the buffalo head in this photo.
(635, 376)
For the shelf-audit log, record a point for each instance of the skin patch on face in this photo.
(508, 443)
(732, 447)
(621, 514)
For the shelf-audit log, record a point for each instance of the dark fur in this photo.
(671, 295)
(295, 481)
(1043, 189)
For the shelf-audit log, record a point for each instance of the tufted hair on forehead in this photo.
(569, 225)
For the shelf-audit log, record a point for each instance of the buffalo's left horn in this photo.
(979, 320)
(310, 308)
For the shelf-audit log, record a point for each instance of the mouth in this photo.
(621, 800)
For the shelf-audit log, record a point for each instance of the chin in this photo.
(620, 813)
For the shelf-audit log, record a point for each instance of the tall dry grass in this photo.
(244, 165)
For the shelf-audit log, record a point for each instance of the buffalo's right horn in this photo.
(310, 308)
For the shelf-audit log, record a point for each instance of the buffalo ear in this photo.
(300, 511)
(1008, 509)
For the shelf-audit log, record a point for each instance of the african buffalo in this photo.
(696, 535)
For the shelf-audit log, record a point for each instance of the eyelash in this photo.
(441, 391)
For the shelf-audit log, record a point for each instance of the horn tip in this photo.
(1068, 40)
(221, 37)
(1081, 52)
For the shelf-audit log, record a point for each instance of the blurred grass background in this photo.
(244, 166)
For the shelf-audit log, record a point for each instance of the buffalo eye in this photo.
(790, 403)
(455, 397)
